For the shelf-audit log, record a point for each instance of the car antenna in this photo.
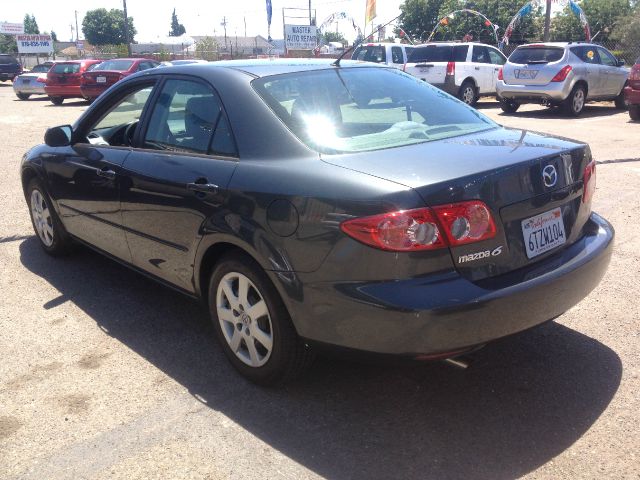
(357, 44)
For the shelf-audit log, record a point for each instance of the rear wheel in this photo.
(467, 93)
(621, 102)
(52, 235)
(23, 96)
(574, 104)
(509, 106)
(56, 100)
(634, 112)
(252, 323)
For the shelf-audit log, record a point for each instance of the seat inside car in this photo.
(201, 115)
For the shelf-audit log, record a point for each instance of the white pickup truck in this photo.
(392, 54)
(464, 70)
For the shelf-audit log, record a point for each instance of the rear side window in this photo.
(66, 68)
(189, 117)
(7, 60)
(370, 53)
(480, 55)
(439, 53)
(396, 55)
(533, 55)
(587, 54)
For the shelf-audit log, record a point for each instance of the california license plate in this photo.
(526, 74)
(101, 79)
(543, 232)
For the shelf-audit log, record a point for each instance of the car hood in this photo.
(430, 163)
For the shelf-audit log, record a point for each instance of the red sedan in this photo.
(63, 80)
(632, 91)
(109, 72)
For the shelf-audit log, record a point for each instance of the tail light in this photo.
(589, 182)
(500, 74)
(634, 75)
(424, 228)
(451, 68)
(562, 74)
(42, 79)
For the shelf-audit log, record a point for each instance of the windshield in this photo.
(439, 53)
(370, 53)
(118, 65)
(532, 55)
(364, 109)
(66, 68)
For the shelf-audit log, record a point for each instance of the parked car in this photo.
(63, 80)
(9, 67)
(632, 91)
(96, 81)
(464, 70)
(32, 82)
(561, 74)
(391, 54)
(418, 228)
(187, 61)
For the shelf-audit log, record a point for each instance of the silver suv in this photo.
(561, 74)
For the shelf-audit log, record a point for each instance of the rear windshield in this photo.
(7, 60)
(370, 53)
(439, 53)
(41, 68)
(119, 65)
(93, 66)
(66, 68)
(532, 55)
(365, 109)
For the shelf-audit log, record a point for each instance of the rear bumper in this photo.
(66, 91)
(632, 95)
(552, 92)
(90, 92)
(32, 89)
(445, 312)
(8, 76)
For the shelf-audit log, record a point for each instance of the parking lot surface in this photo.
(106, 374)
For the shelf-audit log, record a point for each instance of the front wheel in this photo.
(509, 106)
(634, 112)
(574, 104)
(56, 100)
(23, 96)
(252, 323)
(52, 235)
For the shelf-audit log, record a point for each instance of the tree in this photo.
(207, 49)
(54, 37)
(106, 27)
(334, 37)
(30, 25)
(8, 44)
(419, 17)
(177, 28)
(603, 17)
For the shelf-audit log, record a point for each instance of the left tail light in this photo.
(42, 79)
(424, 228)
(589, 182)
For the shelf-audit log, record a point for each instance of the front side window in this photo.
(496, 57)
(118, 125)
(365, 109)
(188, 116)
(607, 58)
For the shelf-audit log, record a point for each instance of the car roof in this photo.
(268, 67)
(451, 44)
(558, 44)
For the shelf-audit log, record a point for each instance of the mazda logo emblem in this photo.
(549, 176)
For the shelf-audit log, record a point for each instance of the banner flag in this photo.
(370, 12)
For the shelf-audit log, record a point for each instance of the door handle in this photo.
(202, 186)
(106, 172)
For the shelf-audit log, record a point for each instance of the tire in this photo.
(574, 104)
(56, 100)
(468, 93)
(51, 234)
(509, 106)
(621, 102)
(634, 112)
(23, 96)
(265, 349)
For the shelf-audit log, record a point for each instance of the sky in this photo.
(152, 19)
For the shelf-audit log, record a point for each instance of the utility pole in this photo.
(126, 26)
(77, 37)
(547, 21)
(310, 14)
(245, 27)
(224, 25)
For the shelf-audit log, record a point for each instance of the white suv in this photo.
(465, 70)
(392, 54)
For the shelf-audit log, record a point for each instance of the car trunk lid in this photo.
(504, 169)
(101, 77)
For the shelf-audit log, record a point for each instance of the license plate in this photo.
(526, 74)
(101, 79)
(26, 81)
(543, 232)
(424, 69)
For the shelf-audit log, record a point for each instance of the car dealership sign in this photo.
(300, 37)
(11, 28)
(34, 43)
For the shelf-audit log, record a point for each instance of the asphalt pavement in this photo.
(105, 374)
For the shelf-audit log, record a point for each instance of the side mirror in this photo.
(621, 62)
(58, 136)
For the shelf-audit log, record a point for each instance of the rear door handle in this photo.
(106, 172)
(203, 187)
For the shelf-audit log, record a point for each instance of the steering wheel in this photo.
(129, 132)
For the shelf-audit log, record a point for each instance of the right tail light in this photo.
(451, 68)
(500, 74)
(562, 74)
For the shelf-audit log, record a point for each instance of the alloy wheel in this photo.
(578, 100)
(468, 95)
(42, 217)
(244, 319)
